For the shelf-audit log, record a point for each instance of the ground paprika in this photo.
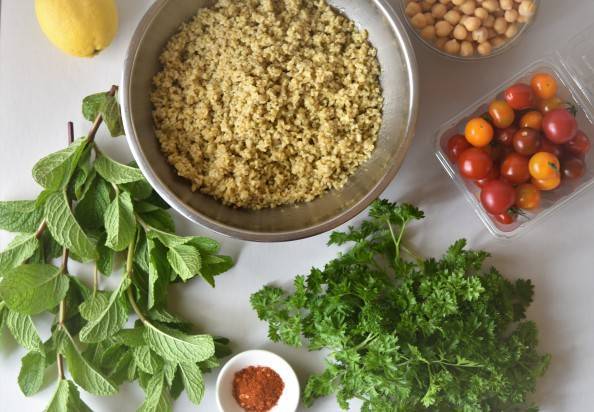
(257, 388)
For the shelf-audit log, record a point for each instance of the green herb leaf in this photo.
(139, 190)
(54, 171)
(185, 261)
(131, 337)
(18, 251)
(120, 222)
(157, 397)
(159, 219)
(168, 239)
(23, 330)
(146, 360)
(117, 173)
(108, 107)
(20, 216)
(66, 399)
(193, 381)
(93, 307)
(213, 266)
(159, 273)
(178, 347)
(92, 207)
(32, 371)
(65, 229)
(31, 289)
(106, 259)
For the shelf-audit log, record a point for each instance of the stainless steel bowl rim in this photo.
(262, 236)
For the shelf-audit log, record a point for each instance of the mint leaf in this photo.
(91, 105)
(18, 251)
(120, 222)
(65, 229)
(157, 397)
(20, 216)
(83, 373)
(204, 244)
(131, 337)
(159, 219)
(84, 175)
(108, 107)
(168, 239)
(146, 360)
(110, 320)
(159, 273)
(94, 306)
(31, 289)
(54, 171)
(115, 172)
(193, 381)
(139, 190)
(91, 209)
(213, 265)
(23, 330)
(67, 399)
(178, 347)
(32, 371)
(106, 258)
(185, 261)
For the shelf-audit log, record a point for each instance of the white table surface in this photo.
(41, 89)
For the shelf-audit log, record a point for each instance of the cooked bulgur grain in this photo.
(262, 103)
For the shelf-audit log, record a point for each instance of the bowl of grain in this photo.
(269, 120)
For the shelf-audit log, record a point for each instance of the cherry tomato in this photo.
(549, 147)
(498, 196)
(506, 218)
(580, 145)
(559, 126)
(514, 169)
(506, 136)
(520, 97)
(479, 132)
(526, 141)
(548, 105)
(493, 175)
(573, 168)
(474, 164)
(532, 119)
(501, 114)
(544, 165)
(528, 197)
(547, 184)
(456, 145)
(544, 86)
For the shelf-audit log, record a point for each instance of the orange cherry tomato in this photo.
(528, 197)
(547, 184)
(544, 86)
(502, 114)
(544, 165)
(479, 132)
(532, 120)
(548, 105)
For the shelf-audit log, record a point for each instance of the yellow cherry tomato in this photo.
(548, 105)
(544, 86)
(527, 197)
(544, 165)
(502, 114)
(547, 185)
(479, 132)
(532, 120)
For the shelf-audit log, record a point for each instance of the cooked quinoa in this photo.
(262, 103)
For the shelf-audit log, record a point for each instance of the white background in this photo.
(41, 89)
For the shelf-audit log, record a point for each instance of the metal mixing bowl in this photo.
(399, 82)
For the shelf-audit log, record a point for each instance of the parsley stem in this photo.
(396, 248)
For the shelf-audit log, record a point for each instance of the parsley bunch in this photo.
(409, 334)
(93, 209)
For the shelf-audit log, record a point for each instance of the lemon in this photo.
(78, 27)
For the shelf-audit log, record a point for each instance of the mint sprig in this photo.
(92, 209)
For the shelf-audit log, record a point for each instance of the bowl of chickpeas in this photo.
(469, 29)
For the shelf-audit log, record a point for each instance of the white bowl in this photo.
(289, 399)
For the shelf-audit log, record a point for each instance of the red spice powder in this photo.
(257, 388)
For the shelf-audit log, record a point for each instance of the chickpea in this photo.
(485, 48)
(428, 33)
(412, 9)
(439, 10)
(472, 23)
(500, 25)
(446, 2)
(452, 17)
(468, 7)
(466, 49)
(490, 5)
(498, 41)
(506, 4)
(418, 21)
(426, 6)
(492, 33)
(489, 22)
(429, 19)
(481, 13)
(440, 43)
(460, 32)
(452, 46)
(480, 35)
(527, 8)
(458, 2)
(511, 16)
(512, 30)
(443, 28)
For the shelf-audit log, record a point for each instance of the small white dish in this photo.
(289, 399)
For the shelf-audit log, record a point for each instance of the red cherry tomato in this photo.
(527, 141)
(506, 218)
(474, 164)
(550, 147)
(573, 168)
(514, 169)
(559, 126)
(501, 114)
(580, 145)
(547, 184)
(520, 97)
(456, 145)
(506, 136)
(493, 175)
(498, 197)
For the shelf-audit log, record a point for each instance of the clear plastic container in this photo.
(573, 66)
